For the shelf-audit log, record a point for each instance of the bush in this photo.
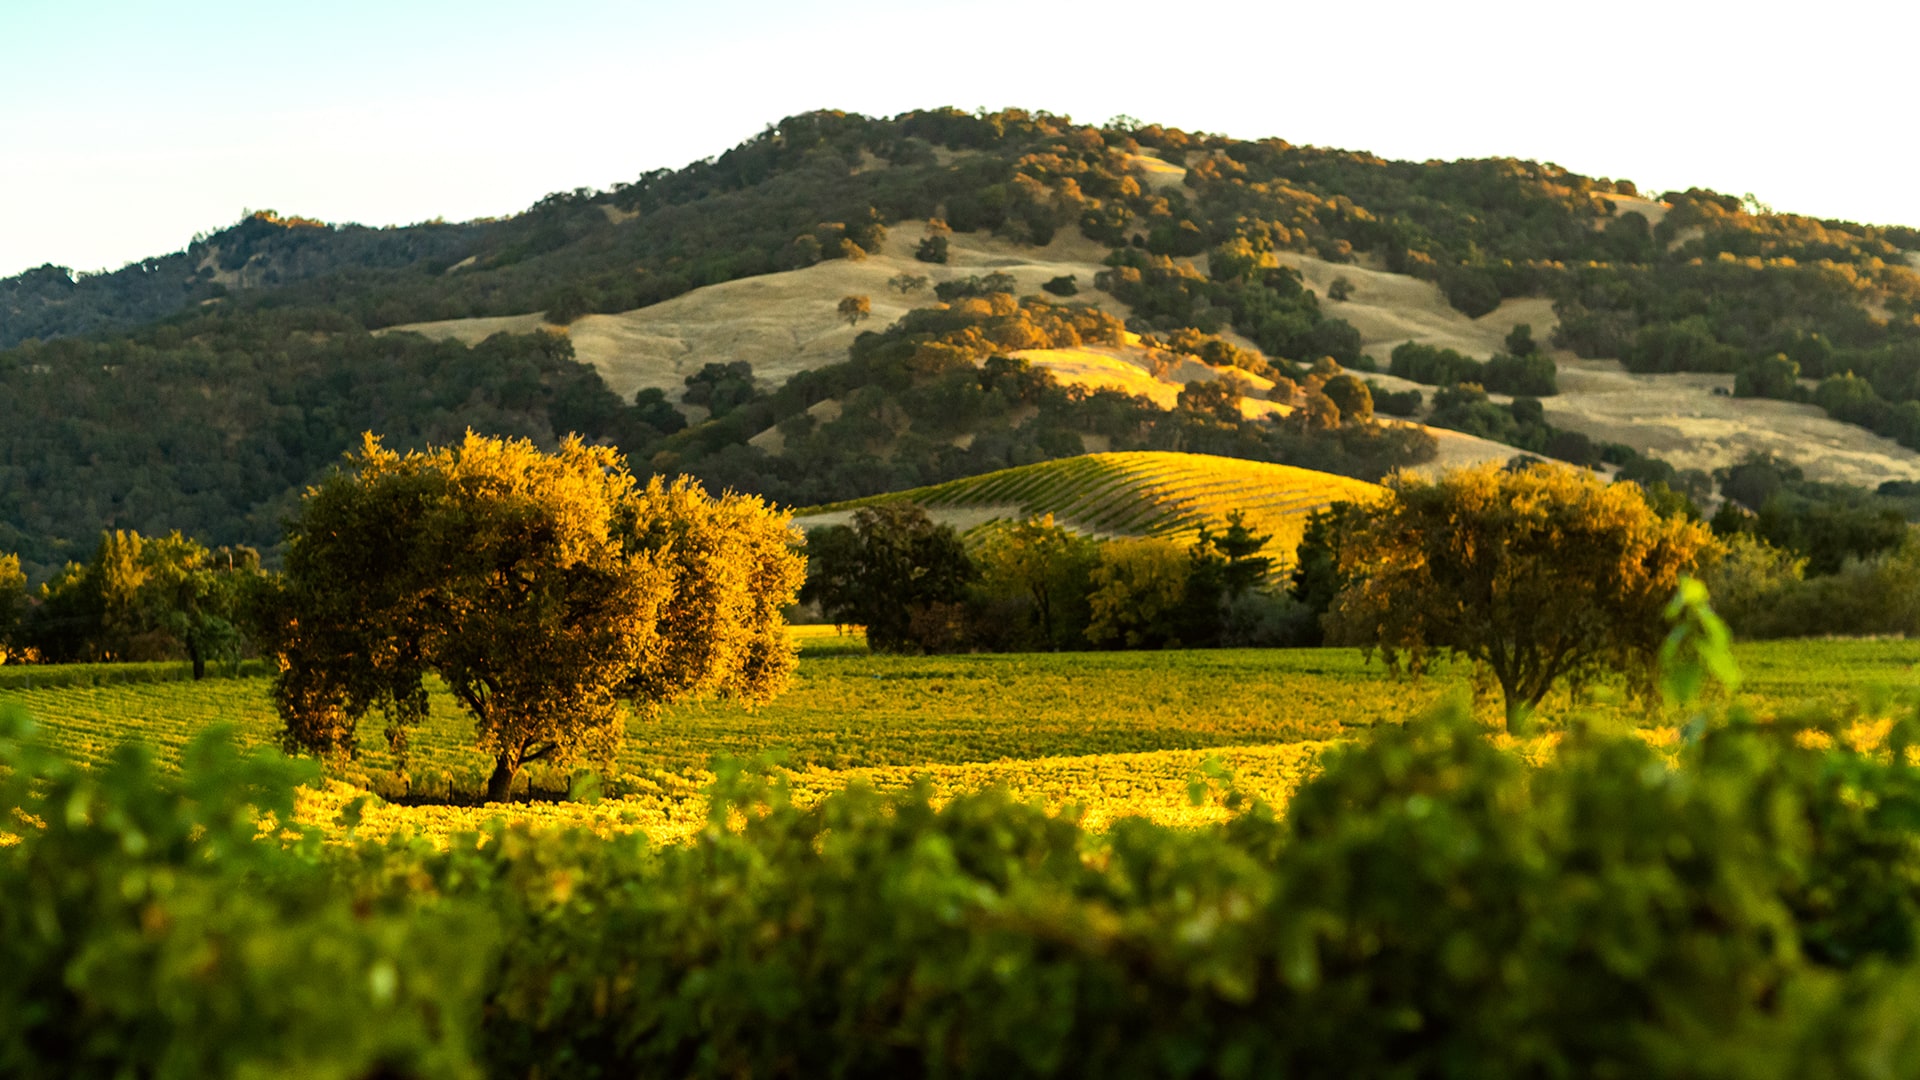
(1741, 905)
(1064, 285)
(1394, 402)
(1774, 377)
(932, 249)
(1431, 365)
(1521, 376)
(1351, 396)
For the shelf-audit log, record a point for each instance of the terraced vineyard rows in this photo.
(1142, 493)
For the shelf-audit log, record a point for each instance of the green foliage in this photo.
(150, 928)
(932, 249)
(1530, 375)
(721, 388)
(1826, 524)
(1394, 402)
(1035, 578)
(146, 598)
(1434, 366)
(1138, 589)
(231, 414)
(893, 571)
(1520, 340)
(1351, 397)
(1428, 902)
(1064, 285)
(1773, 377)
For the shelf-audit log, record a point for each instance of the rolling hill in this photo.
(1129, 494)
(202, 390)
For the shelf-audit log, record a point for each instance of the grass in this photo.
(1114, 733)
(1144, 493)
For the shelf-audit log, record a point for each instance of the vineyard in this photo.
(1137, 493)
(1221, 863)
(1112, 734)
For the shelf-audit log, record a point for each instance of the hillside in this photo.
(1130, 494)
(202, 389)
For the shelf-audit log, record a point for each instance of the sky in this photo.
(126, 126)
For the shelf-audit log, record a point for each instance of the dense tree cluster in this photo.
(138, 598)
(212, 426)
(1038, 586)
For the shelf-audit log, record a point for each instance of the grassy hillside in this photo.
(201, 390)
(1143, 493)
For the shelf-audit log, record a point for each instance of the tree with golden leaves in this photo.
(855, 308)
(1540, 576)
(541, 588)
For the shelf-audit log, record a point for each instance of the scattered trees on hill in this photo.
(540, 588)
(1540, 576)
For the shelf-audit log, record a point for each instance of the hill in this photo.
(1129, 494)
(202, 389)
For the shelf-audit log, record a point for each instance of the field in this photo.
(1112, 733)
(1138, 493)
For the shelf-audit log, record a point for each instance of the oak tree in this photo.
(1540, 576)
(893, 564)
(855, 308)
(541, 588)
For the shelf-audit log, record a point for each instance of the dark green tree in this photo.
(892, 565)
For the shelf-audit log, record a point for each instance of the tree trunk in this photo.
(500, 784)
(1519, 712)
(199, 662)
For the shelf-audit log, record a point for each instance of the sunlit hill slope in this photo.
(1143, 493)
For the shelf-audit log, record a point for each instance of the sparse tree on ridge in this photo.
(541, 588)
(1540, 576)
(854, 309)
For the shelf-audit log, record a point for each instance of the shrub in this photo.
(932, 249)
(1435, 366)
(1534, 375)
(1394, 402)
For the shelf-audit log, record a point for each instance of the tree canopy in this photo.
(1539, 575)
(541, 588)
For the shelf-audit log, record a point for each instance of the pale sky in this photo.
(127, 126)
